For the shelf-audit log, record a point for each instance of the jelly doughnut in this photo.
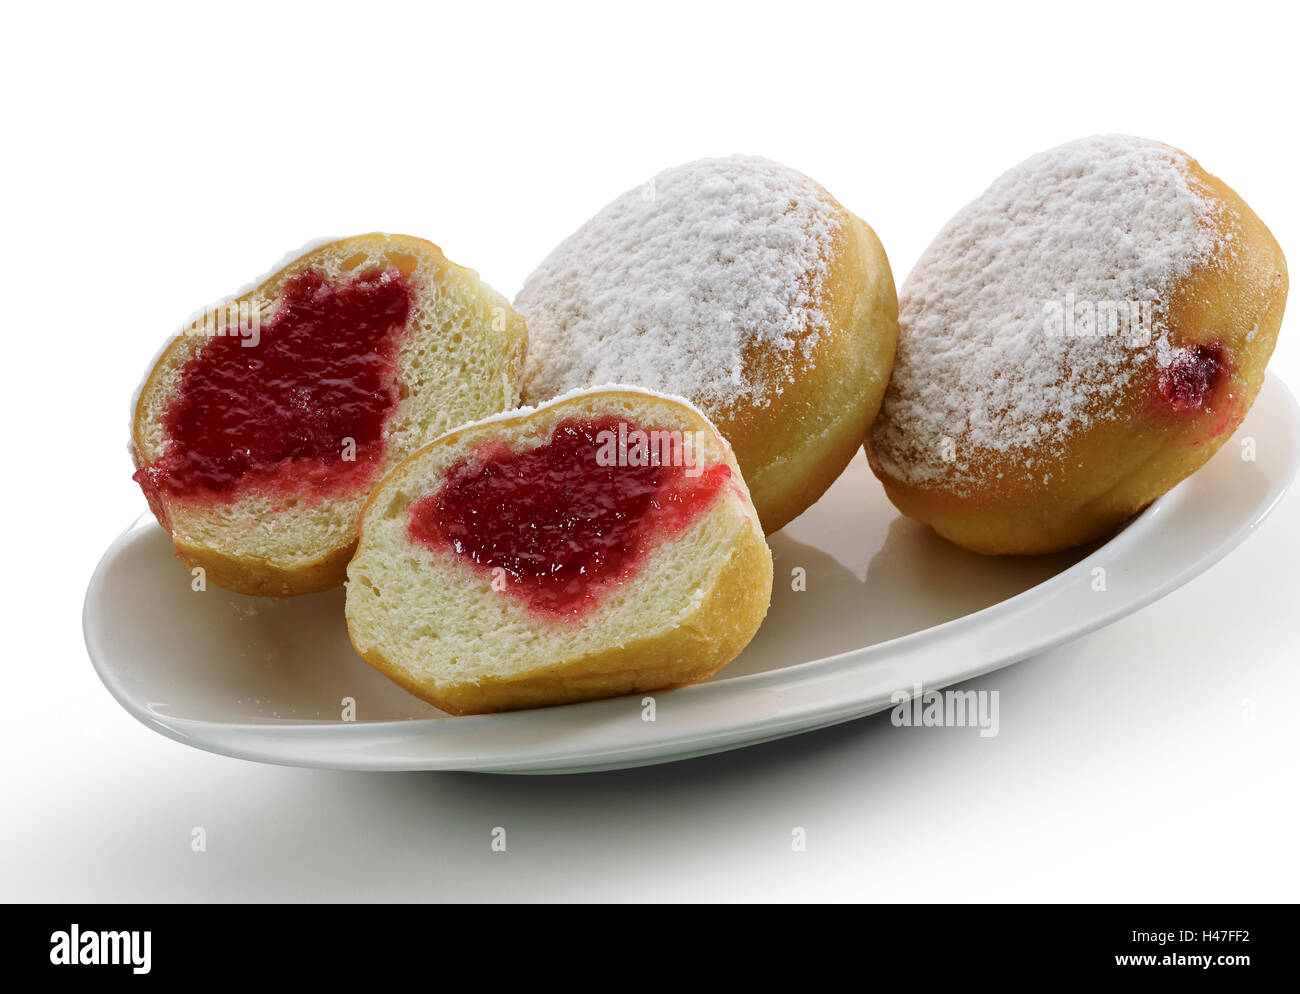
(1075, 342)
(264, 424)
(601, 544)
(742, 285)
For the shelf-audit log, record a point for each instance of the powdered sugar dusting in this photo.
(1108, 221)
(676, 283)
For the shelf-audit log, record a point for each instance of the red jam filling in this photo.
(1189, 381)
(557, 524)
(301, 403)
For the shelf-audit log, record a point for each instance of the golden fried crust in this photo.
(259, 578)
(725, 622)
(1109, 473)
(793, 448)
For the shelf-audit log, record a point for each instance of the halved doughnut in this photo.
(601, 544)
(263, 425)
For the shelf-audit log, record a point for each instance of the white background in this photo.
(157, 158)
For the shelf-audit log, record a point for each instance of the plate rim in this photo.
(279, 739)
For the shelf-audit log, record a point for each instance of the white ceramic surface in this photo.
(887, 605)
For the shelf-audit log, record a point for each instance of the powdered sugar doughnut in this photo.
(739, 284)
(1074, 342)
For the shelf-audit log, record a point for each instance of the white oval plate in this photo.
(887, 605)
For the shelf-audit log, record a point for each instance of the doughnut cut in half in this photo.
(265, 423)
(601, 544)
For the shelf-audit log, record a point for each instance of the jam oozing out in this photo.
(280, 407)
(1193, 375)
(558, 520)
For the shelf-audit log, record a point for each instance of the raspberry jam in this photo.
(559, 521)
(279, 407)
(1189, 381)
